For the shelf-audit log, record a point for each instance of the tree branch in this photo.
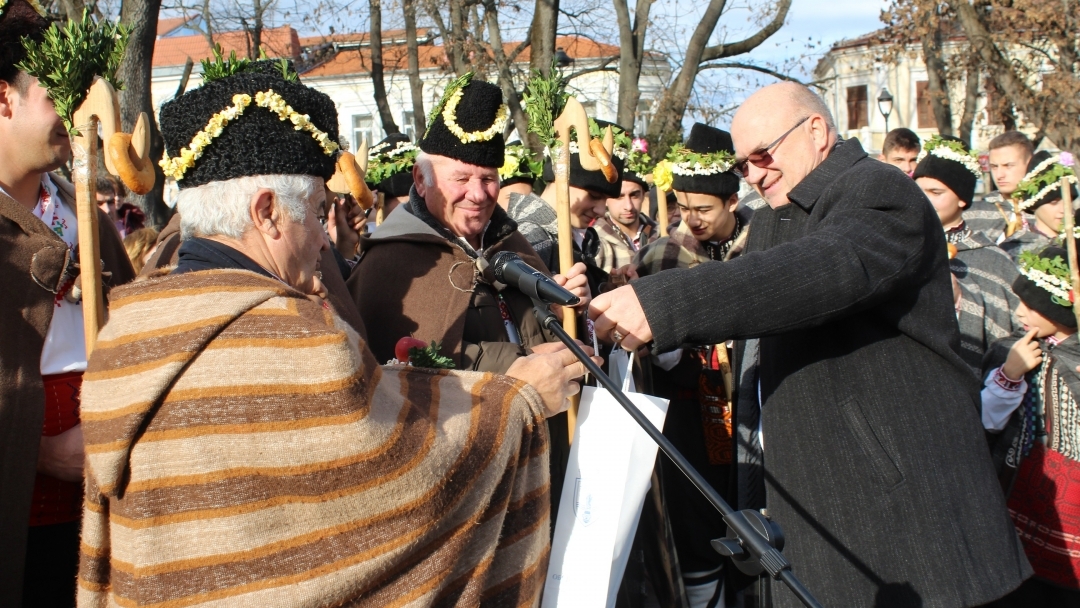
(757, 68)
(744, 46)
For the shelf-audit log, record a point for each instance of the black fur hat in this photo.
(257, 141)
(1058, 307)
(593, 181)
(18, 19)
(705, 140)
(391, 162)
(477, 109)
(944, 163)
(1042, 182)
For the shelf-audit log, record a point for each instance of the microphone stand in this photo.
(753, 542)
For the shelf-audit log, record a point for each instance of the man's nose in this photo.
(474, 191)
(754, 173)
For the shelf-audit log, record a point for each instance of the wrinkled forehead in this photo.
(453, 168)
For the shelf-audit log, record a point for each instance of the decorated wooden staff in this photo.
(349, 174)
(77, 65)
(1067, 182)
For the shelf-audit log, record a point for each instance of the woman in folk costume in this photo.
(1039, 195)
(244, 446)
(947, 172)
(1029, 404)
(698, 379)
(42, 341)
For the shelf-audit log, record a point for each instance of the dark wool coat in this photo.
(26, 310)
(876, 464)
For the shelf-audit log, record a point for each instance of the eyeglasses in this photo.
(762, 157)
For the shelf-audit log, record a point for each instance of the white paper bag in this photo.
(607, 476)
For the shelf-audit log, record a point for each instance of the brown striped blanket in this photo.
(245, 449)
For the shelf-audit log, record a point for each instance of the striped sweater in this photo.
(245, 449)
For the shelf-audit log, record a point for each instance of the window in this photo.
(922, 102)
(408, 126)
(590, 108)
(641, 122)
(857, 108)
(362, 127)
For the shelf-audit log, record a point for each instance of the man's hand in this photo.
(576, 283)
(1024, 356)
(344, 222)
(621, 276)
(61, 456)
(551, 370)
(620, 311)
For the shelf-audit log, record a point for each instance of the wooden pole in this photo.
(661, 211)
(566, 252)
(380, 206)
(1070, 241)
(86, 151)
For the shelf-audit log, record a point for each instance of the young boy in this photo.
(901, 149)
(947, 174)
(1029, 404)
(1039, 194)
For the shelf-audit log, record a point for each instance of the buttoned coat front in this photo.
(875, 462)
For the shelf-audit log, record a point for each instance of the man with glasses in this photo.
(875, 462)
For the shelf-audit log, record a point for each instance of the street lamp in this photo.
(561, 58)
(884, 105)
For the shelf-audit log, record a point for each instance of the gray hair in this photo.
(222, 208)
(426, 165)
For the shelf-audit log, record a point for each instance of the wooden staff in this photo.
(380, 209)
(593, 155)
(127, 157)
(661, 211)
(1070, 242)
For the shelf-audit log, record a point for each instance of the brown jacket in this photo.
(167, 250)
(413, 281)
(31, 262)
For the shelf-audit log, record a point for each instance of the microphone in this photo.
(510, 269)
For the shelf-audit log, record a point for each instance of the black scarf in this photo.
(204, 254)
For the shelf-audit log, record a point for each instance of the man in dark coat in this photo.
(875, 461)
(42, 347)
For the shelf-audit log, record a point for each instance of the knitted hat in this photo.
(468, 123)
(948, 160)
(519, 165)
(390, 164)
(1044, 284)
(593, 181)
(259, 120)
(703, 164)
(1042, 183)
(18, 19)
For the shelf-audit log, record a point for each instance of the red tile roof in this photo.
(278, 42)
(168, 24)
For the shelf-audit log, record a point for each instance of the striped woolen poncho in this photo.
(245, 449)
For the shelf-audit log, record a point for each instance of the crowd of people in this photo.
(297, 401)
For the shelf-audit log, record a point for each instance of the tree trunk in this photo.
(506, 79)
(135, 71)
(377, 81)
(542, 35)
(457, 37)
(937, 86)
(1061, 130)
(971, 98)
(665, 130)
(631, 55)
(416, 86)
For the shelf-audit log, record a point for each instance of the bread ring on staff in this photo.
(137, 175)
(348, 177)
(611, 174)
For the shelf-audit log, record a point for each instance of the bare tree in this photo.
(377, 80)
(937, 83)
(631, 54)
(542, 33)
(141, 16)
(666, 126)
(416, 86)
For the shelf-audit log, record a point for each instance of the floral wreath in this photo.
(177, 166)
(951, 150)
(384, 164)
(1039, 182)
(34, 4)
(686, 162)
(514, 157)
(1050, 274)
(447, 107)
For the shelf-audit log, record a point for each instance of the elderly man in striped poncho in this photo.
(244, 448)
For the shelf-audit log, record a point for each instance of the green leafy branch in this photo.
(220, 67)
(938, 141)
(383, 166)
(455, 84)
(1033, 185)
(684, 156)
(67, 60)
(429, 357)
(544, 99)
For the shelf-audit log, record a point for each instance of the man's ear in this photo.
(418, 180)
(733, 202)
(819, 130)
(264, 212)
(8, 94)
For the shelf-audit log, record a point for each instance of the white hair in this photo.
(426, 165)
(223, 208)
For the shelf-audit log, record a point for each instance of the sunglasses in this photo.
(762, 157)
